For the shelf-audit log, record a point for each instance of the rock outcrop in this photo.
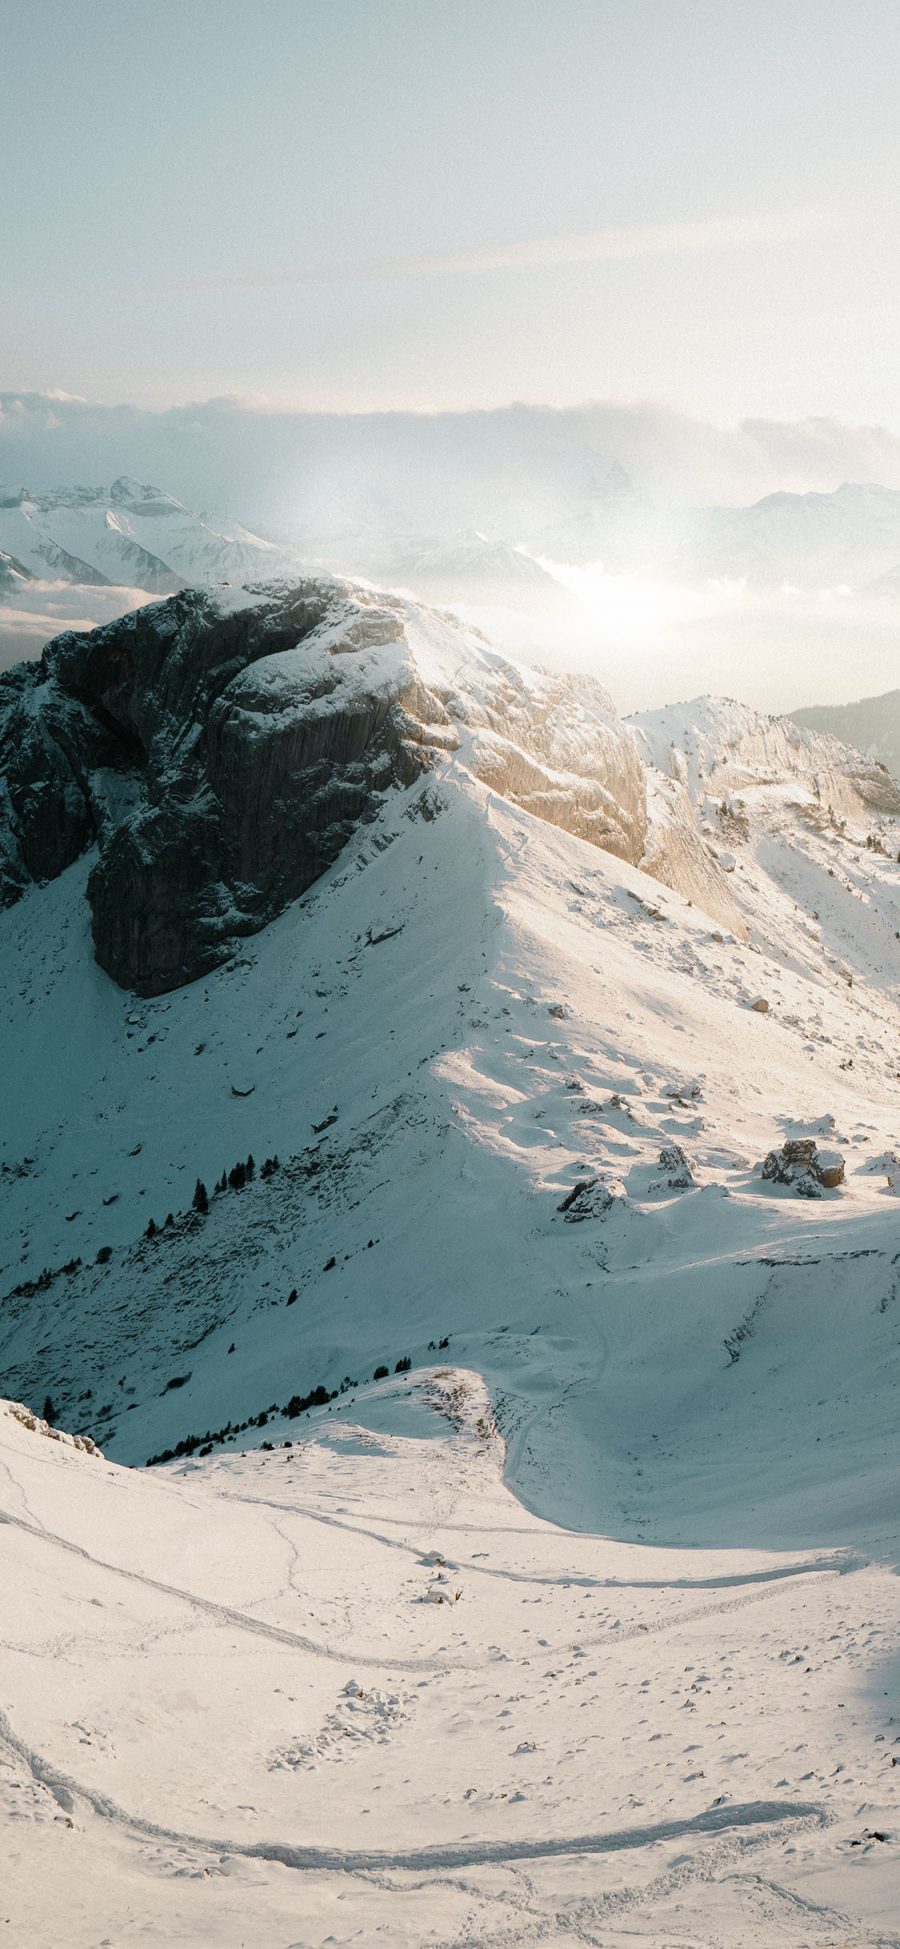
(677, 1166)
(802, 1167)
(221, 749)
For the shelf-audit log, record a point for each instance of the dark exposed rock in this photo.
(237, 802)
(250, 791)
(801, 1166)
(47, 810)
(587, 1199)
(222, 748)
(673, 1160)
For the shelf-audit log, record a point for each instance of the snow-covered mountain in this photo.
(715, 746)
(223, 747)
(851, 536)
(638, 491)
(372, 772)
(473, 570)
(129, 534)
(508, 1000)
(13, 574)
(506, 537)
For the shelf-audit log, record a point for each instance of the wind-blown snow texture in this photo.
(519, 1093)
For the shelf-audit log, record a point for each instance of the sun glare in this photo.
(622, 609)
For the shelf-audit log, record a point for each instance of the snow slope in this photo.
(348, 1690)
(471, 1017)
(408, 997)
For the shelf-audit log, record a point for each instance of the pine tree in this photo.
(201, 1201)
(49, 1411)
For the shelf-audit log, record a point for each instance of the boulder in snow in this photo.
(673, 1160)
(801, 1166)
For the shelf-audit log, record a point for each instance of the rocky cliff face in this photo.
(676, 854)
(221, 749)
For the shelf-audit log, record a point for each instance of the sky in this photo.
(349, 205)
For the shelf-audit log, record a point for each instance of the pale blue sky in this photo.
(377, 203)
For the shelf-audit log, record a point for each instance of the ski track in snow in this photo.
(724, 1849)
(462, 1855)
(221, 1613)
(837, 1566)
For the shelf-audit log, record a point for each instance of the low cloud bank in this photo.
(281, 467)
(655, 643)
(650, 643)
(44, 609)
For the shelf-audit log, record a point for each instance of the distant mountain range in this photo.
(488, 540)
(128, 535)
(473, 569)
(872, 725)
(847, 538)
(851, 536)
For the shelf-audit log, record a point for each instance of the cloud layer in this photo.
(268, 466)
(43, 609)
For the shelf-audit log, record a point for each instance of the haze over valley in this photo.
(521, 520)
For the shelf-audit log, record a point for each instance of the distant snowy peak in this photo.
(850, 536)
(141, 499)
(131, 535)
(473, 569)
(13, 575)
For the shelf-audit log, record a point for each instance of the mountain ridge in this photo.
(220, 748)
(131, 535)
(488, 1402)
(481, 534)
